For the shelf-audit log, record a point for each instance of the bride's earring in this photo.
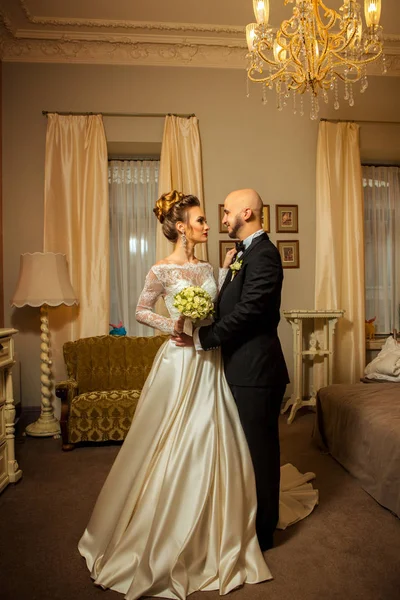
(184, 240)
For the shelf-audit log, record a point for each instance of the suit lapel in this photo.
(227, 280)
(253, 245)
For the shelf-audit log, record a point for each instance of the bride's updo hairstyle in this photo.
(172, 208)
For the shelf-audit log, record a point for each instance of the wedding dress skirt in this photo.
(177, 511)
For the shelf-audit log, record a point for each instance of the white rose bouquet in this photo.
(194, 303)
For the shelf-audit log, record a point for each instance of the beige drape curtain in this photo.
(339, 278)
(180, 169)
(76, 223)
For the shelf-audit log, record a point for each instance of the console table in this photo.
(9, 470)
(324, 321)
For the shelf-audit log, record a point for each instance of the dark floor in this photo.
(347, 549)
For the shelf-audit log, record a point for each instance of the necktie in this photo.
(239, 247)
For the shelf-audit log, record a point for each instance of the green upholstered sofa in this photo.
(105, 377)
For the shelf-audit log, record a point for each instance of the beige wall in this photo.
(244, 144)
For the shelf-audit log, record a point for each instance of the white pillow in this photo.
(387, 364)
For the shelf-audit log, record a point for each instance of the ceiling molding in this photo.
(84, 52)
(183, 54)
(125, 24)
(145, 25)
(132, 38)
(6, 22)
(392, 41)
(139, 43)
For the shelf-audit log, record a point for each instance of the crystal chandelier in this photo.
(313, 50)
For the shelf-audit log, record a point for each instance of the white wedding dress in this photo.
(177, 511)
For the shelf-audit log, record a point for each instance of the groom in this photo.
(247, 317)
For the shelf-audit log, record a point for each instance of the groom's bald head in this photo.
(246, 198)
(243, 213)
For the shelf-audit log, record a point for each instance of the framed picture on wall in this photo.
(265, 218)
(287, 218)
(222, 228)
(289, 251)
(224, 246)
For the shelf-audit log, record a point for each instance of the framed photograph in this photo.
(222, 228)
(265, 218)
(224, 246)
(289, 251)
(287, 218)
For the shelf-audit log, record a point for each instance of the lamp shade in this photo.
(44, 279)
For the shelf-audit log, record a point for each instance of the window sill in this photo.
(376, 343)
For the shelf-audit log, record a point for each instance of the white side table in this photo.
(324, 320)
(9, 469)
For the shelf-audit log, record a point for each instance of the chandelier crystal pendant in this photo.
(314, 50)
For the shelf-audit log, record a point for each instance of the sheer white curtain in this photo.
(382, 246)
(133, 191)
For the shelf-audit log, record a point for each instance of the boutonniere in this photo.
(236, 266)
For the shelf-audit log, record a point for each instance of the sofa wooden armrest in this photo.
(66, 391)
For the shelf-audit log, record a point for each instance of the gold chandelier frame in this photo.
(315, 48)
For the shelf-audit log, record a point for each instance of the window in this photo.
(133, 191)
(382, 246)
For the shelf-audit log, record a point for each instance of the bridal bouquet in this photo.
(194, 303)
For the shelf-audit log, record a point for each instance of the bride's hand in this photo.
(178, 325)
(230, 255)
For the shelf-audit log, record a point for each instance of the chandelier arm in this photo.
(270, 78)
(274, 63)
(267, 80)
(340, 38)
(329, 13)
(347, 79)
(325, 48)
(355, 62)
(283, 28)
(266, 59)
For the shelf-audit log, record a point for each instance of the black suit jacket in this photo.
(247, 317)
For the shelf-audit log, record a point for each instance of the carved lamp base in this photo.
(45, 426)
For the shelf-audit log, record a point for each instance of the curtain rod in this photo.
(105, 114)
(134, 159)
(361, 121)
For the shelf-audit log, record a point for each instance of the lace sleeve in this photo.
(153, 289)
(221, 277)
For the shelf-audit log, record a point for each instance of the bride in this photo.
(177, 512)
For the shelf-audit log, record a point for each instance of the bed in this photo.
(359, 424)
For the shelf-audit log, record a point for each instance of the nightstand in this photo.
(9, 470)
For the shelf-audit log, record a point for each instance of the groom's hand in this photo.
(182, 340)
